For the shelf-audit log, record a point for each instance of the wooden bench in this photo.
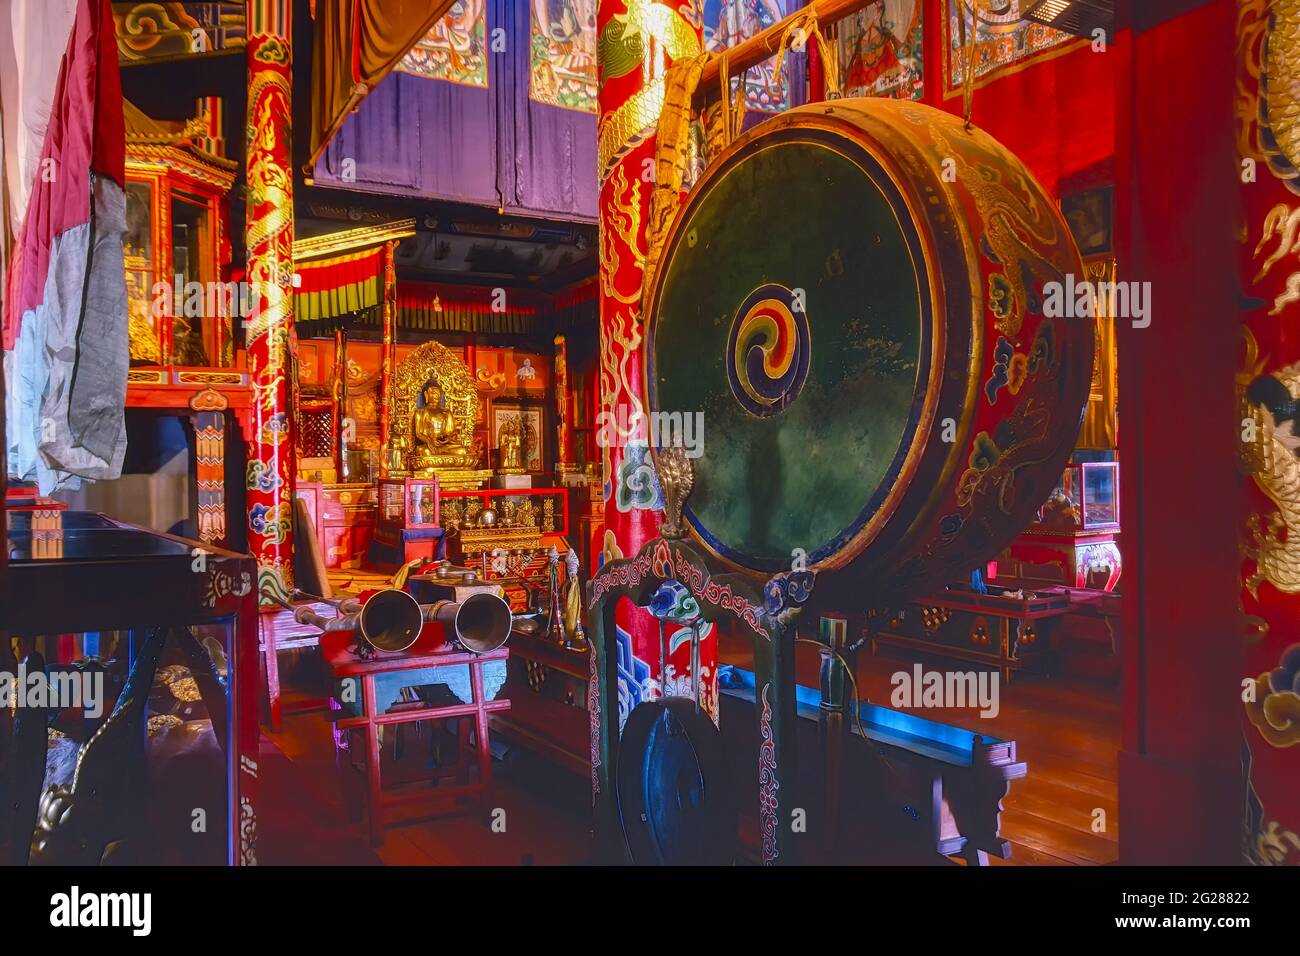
(942, 786)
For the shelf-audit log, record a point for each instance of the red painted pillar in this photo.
(339, 401)
(1180, 781)
(269, 240)
(639, 41)
(1269, 269)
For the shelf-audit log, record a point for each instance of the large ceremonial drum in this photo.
(866, 301)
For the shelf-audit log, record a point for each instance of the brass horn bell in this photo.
(480, 623)
(389, 620)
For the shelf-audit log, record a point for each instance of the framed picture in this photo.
(527, 421)
(1090, 215)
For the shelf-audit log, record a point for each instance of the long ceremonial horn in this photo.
(389, 620)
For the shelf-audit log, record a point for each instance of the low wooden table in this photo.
(424, 667)
(547, 685)
(278, 631)
(987, 629)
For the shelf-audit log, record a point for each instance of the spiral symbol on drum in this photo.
(768, 350)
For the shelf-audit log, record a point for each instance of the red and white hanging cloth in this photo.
(65, 310)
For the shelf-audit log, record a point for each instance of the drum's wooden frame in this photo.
(914, 543)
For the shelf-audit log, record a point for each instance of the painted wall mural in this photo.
(1003, 43)
(1268, 140)
(880, 50)
(563, 53)
(455, 49)
(728, 22)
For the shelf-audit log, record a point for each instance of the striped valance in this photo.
(340, 287)
(337, 299)
(432, 307)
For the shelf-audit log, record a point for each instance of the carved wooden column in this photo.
(564, 406)
(209, 424)
(269, 241)
(339, 399)
(388, 356)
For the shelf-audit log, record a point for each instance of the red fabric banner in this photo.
(1056, 112)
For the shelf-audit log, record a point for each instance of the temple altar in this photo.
(395, 332)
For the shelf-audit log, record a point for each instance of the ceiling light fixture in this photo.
(1079, 17)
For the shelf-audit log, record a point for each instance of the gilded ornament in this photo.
(434, 404)
(676, 478)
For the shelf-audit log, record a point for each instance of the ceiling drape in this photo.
(357, 43)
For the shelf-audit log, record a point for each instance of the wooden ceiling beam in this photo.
(763, 45)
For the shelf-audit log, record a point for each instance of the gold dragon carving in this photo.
(639, 39)
(270, 189)
(1268, 130)
(1274, 540)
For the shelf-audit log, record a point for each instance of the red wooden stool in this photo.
(345, 665)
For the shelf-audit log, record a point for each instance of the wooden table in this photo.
(547, 685)
(424, 666)
(983, 628)
(278, 631)
(71, 572)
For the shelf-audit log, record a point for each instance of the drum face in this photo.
(854, 299)
(802, 351)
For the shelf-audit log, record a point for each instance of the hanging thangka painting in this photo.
(1004, 43)
(455, 49)
(727, 23)
(563, 63)
(880, 50)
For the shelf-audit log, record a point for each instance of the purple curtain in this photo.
(495, 146)
(551, 165)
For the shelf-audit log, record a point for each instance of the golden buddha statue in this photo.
(435, 431)
(433, 405)
(432, 423)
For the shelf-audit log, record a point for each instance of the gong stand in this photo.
(725, 599)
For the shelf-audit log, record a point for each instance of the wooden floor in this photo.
(545, 812)
(1066, 731)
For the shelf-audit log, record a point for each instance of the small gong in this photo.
(674, 787)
